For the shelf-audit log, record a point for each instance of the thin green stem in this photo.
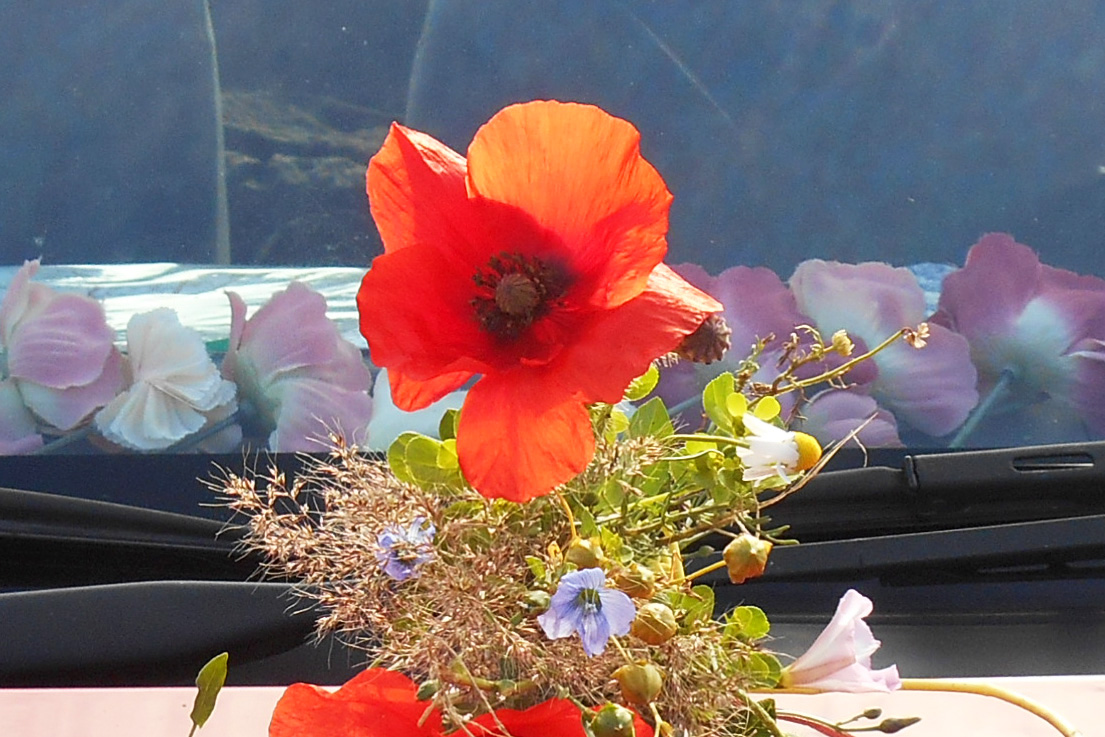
(708, 569)
(846, 366)
(761, 714)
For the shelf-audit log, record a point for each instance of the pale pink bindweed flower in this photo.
(300, 375)
(59, 352)
(840, 658)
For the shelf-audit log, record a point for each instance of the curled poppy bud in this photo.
(746, 557)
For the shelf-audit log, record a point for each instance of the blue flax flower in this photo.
(582, 603)
(403, 548)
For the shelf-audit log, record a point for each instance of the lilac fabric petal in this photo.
(64, 345)
(65, 409)
(998, 279)
(831, 415)
(309, 409)
(934, 389)
(869, 300)
(18, 433)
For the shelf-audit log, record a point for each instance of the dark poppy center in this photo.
(512, 291)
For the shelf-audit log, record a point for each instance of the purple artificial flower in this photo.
(299, 373)
(840, 658)
(405, 548)
(932, 389)
(583, 603)
(1035, 331)
(18, 432)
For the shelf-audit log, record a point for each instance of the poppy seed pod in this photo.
(655, 623)
(613, 720)
(746, 557)
(641, 683)
(637, 581)
(585, 553)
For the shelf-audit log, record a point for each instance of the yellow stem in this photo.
(567, 511)
(986, 689)
(703, 571)
(844, 367)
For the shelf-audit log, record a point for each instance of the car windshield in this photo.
(198, 171)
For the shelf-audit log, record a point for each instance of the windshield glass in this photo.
(184, 209)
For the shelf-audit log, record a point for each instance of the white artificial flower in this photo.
(174, 385)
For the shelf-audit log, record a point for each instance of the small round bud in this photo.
(613, 720)
(640, 682)
(655, 623)
(842, 344)
(746, 557)
(585, 553)
(427, 690)
(637, 580)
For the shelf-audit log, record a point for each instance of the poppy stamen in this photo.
(514, 291)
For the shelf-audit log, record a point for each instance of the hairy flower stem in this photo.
(985, 689)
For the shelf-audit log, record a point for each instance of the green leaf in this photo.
(767, 409)
(736, 404)
(643, 385)
(447, 428)
(765, 669)
(714, 400)
(536, 567)
(651, 418)
(221, 345)
(397, 457)
(699, 604)
(210, 681)
(587, 525)
(616, 424)
(747, 623)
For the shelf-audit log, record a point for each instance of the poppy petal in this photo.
(417, 192)
(579, 172)
(618, 345)
(374, 703)
(416, 314)
(410, 394)
(520, 435)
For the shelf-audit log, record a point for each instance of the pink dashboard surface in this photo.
(244, 712)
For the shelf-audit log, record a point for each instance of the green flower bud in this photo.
(637, 581)
(428, 690)
(655, 623)
(585, 553)
(613, 720)
(640, 683)
(746, 557)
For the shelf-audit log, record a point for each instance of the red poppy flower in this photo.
(552, 718)
(536, 264)
(375, 703)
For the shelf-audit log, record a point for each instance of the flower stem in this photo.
(568, 512)
(996, 392)
(830, 730)
(844, 367)
(708, 569)
(64, 441)
(986, 689)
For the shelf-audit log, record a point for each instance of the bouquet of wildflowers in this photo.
(538, 567)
